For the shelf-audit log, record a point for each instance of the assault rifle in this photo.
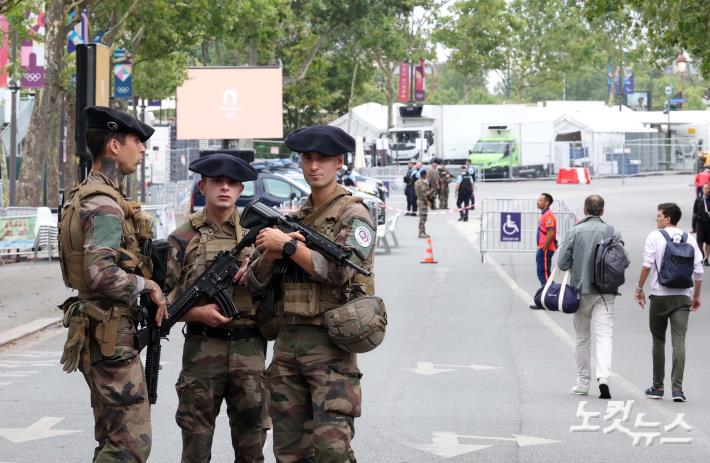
(259, 215)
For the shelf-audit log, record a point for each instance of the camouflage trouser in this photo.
(315, 396)
(119, 398)
(423, 212)
(444, 198)
(214, 370)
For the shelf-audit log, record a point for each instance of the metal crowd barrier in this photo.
(510, 225)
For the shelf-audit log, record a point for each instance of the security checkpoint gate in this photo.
(510, 225)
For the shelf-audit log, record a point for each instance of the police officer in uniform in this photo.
(223, 358)
(464, 193)
(101, 236)
(314, 383)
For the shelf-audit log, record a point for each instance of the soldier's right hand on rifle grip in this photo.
(157, 296)
(208, 314)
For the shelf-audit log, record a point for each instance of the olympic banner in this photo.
(4, 51)
(403, 82)
(32, 55)
(419, 84)
(123, 80)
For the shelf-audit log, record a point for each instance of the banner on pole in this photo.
(4, 51)
(419, 81)
(403, 82)
(32, 55)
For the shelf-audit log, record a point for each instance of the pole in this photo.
(13, 127)
(143, 159)
(621, 79)
(62, 160)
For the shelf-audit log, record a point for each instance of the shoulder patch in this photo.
(362, 237)
(107, 231)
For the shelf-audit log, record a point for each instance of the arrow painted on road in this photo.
(429, 368)
(40, 429)
(446, 444)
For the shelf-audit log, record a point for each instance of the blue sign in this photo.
(678, 100)
(510, 226)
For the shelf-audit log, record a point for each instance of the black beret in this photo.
(324, 139)
(223, 165)
(101, 117)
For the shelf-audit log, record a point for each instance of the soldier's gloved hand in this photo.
(208, 314)
(157, 296)
(78, 323)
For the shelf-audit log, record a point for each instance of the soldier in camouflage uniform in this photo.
(314, 384)
(223, 359)
(423, 191)
(445, 178)
(434, 183)
(100, 233)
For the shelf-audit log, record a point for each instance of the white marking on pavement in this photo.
(18, 374)
(447, 445)
(40, 429)
(5, 384)
(26, 363)
(522, 441)
(28, 328)
(35, 354)
(429, 368)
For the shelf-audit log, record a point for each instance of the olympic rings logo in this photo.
(33, 77)
(123, 89)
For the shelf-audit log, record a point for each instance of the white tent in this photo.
(369, 120)
(603, 132)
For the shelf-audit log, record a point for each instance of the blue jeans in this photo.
(544, 265)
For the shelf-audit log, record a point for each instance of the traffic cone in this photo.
(429, 254)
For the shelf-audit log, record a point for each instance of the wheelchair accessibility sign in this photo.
(510, 226)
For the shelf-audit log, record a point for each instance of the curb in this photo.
(32, 327)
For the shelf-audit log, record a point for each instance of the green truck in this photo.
(498, 154)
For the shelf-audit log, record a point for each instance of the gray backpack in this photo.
(610, 263)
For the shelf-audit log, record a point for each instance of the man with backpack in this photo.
(594, 253)
(674, 293)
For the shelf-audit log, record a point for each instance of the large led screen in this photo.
(230, 103)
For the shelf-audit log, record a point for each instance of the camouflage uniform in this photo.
(434, 183)
(445, 177)
(315, 385)
(215, 368)
(113, 370)
(423, 190)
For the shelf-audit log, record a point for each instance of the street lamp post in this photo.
(681, 68)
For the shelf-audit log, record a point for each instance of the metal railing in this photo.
(510, 225)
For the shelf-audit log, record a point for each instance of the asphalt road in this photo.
(467, 372)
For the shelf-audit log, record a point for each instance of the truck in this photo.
(445, 132)
(520, 149)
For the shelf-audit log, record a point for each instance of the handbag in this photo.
(557, 297)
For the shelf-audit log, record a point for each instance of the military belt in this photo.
(299, 320)
(196, 329)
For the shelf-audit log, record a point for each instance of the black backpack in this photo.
(610, 263)
(677, 263)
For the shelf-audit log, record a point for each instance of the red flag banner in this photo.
(4, 51)
(403, 82)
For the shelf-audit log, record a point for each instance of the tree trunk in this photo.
(71, 167)
(353, 80)
(41, 144)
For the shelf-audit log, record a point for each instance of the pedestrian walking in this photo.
(423, 191)
(464, 193)
(701, 179)
(101, 236)
(314, 383)
(223, 359)
(445, 177)
(578, 254)
(701, 222)
(410, 177)
(675, 288)
(546, 237)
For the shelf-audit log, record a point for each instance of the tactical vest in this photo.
(137, 226)
(208, 247)
(466, 182)
(311, 299)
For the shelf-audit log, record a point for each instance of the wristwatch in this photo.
(289, 248)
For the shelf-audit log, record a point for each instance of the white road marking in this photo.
(429, 368)
(40, 429)
(447, 445)
(35, 354)
(522, 441)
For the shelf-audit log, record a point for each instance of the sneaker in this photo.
(535, 307)
(580, 390)
(604, 391)
(678, 396)
(654, 392)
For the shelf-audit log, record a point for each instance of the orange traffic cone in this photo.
(429, 254)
